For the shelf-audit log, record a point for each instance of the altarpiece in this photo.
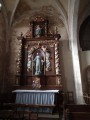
(38, 65)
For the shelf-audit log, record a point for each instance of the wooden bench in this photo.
(6, 98)
(6, 114)
(77, 112)
(7, 111)
(11, 111)
(79, 116)
(78, 108)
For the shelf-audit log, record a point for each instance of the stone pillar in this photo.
(74, 5)
(77, 75)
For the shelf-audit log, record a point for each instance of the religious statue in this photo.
(38, 31)
(29, 32)
(57, 36)
(38, 64)
(36, 83)
(58, 80)
(29, 64)
(48, 63)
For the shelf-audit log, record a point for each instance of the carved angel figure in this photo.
(29, 64)
(48, 64)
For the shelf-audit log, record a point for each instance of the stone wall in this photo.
(2, 52)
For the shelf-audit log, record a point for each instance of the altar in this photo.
(41, 97)
(38, 76)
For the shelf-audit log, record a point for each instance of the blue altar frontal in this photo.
(45, 97)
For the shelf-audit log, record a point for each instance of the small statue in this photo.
(58, 80)
(48, 63)
(29, 64)
(38, 64)
(21, 34)
(29, 32)
(38, 31)
(57, 36)
(36, 83)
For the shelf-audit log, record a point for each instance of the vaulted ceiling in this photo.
(16, 9)
(57, 11)
(53, 9)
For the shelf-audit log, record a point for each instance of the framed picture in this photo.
(39, 27)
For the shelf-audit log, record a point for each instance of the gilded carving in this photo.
(36, 83)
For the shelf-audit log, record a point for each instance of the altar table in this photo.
(46, 97)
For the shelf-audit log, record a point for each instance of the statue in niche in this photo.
(38, 61)
(29, 32)
(38, 31)
(57, 36)
(48, 63)
(47, 58)
(29, 64)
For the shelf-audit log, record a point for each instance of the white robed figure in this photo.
(38, 64)
(38, 31)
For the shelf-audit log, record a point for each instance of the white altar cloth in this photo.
(53, 91)
(36, 97)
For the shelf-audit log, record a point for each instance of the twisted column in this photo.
(57, 64)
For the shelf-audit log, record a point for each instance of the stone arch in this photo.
(84, 34)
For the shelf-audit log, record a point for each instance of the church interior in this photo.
(45, 59)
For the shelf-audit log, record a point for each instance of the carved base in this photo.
(36, 83)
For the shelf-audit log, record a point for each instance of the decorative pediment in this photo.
(39, 28)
